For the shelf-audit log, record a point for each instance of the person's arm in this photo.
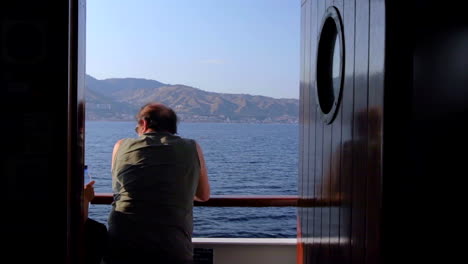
(114, 152)
(203, 189)
(88, 196)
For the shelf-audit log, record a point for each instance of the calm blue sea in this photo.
(242, 159)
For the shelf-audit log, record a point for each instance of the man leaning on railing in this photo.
(155, 179)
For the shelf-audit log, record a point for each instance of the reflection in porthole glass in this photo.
(336, 66)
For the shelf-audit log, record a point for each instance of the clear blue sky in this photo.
(227, 46)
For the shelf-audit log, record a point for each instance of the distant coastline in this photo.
(203, 121)
(119, 99)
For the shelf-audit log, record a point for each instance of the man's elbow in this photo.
(203, 197)
(203, 192)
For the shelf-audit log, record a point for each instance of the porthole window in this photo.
(330, 65)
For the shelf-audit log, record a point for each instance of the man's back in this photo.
(154, 180)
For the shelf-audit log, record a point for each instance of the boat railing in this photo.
(244, 201)
(247, 250)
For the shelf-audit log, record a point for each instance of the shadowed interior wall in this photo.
(391, 158)
(41, 169)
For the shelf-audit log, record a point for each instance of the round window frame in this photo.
(324, 46)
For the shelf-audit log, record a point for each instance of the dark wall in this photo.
(341, 161)
(426, 112)
(394, 156)
(40, 134)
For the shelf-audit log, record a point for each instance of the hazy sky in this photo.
(228, 46)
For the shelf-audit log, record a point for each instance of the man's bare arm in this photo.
(203, 190)
(114, 151)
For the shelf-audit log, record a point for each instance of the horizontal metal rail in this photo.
(244, 201)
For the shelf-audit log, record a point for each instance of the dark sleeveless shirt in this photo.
(154, 179)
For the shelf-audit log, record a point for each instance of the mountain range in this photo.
(121, 98)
